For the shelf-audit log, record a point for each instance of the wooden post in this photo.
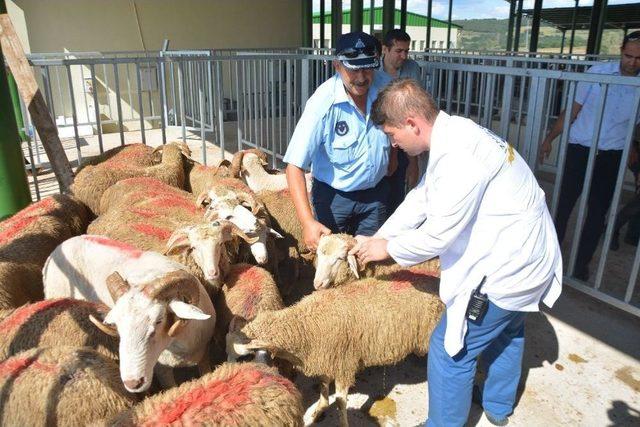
(32, 97)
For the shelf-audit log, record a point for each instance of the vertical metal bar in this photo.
(512, 8)
(73, 114)
(116, 79)
(372, 16)
(106, 85)
(239, 106)
(34, 172)
(96, 106)
(588, 178)
(254, 80)
(516, 36)
(181, 91)
(562, 149)
(273, 108)
(505, 117)
(573, 26)
(210, 80)
(449, 24)
(616, 199)
(322, 24)
(174, 105)
(535, 26)
(84, 93)
(449, 90)
(163, 99)
(468, 94)
(220, 92)
(429, 8)
(128, 68)
(141, 112)
(201, 114)
(290, 87)
(523, 84)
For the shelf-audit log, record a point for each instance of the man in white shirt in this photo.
(479, 208)
(611, 142)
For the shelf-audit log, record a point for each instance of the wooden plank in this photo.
(33, 99)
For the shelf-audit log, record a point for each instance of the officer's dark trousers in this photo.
(397, 183)
(354, 212)
(602, 186)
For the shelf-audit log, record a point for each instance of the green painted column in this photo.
(307, 24)
(15, 100)
(14, 188)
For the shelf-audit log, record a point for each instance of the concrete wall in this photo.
(99, 25)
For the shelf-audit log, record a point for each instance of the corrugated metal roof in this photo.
(413, 19)
(618, 16)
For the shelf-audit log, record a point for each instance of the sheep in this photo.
(200, 177)
(335, 267)
(27, 239)
(334, 333)
(170, 320)
(293, 263)
(134, 160)
(235, 394)
(247, 291)
(151, 215)
(50, 322)
(64, 386)
(79, 267)
(250, 165)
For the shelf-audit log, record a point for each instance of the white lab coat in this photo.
(479, 208)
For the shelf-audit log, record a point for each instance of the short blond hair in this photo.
(400, 99)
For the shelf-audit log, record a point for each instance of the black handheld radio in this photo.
(478, 304)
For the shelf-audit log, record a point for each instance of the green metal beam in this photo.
(14, 188)
(336, 21)
(307, 26)
(535, 26)
(388, 12)
(356, 15)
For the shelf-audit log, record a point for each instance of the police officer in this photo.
(348, 155)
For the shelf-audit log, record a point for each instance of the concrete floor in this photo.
(581, 364)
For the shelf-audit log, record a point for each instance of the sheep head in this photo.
(206, 244)
(237, 162)
(148, 318)
(334, 265)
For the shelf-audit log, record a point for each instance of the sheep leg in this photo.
(342, 391)
(318, 408)
(204, 366)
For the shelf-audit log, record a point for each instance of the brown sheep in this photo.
(235, 394)
(334, 333)
(335, 267)
(133, 161)
(28, 238)
(153, 216)
(247, 291)
(52, 322)
(65, 386)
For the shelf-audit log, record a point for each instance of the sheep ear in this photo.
(107, 329)
(275, 233)
(177, 326)
(178, 242)
(203, 199)
(236, 323)
(353, 265)
(187, 311)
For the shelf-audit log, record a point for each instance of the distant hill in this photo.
(491, 34)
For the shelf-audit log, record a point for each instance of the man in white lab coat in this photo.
(479, 208)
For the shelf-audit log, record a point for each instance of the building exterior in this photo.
(416, 28)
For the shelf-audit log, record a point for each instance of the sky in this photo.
(468, 9)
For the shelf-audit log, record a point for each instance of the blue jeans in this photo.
(354, 212)
(499, 340)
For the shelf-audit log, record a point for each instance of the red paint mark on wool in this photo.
(145, 213)
(174, 201)
(404, 279)
(14, 367)
(152, 230)
(22, 314)
(24, 218)
(217, 398)
(131, 251)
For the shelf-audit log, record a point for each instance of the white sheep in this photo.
(250, 165)
(334, 333)
(160, 311)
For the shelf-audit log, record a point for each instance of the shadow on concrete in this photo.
(621, 414)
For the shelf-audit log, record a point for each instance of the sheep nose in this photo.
(134, 384)
(213, 275)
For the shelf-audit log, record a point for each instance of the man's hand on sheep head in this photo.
(312, 231)
(369, 249)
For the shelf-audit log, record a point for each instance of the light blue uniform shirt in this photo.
(344, 149)
(617, 111)
(409, 70)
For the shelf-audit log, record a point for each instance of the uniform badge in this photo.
(342, 128)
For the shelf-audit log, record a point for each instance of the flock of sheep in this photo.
(156, 266)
